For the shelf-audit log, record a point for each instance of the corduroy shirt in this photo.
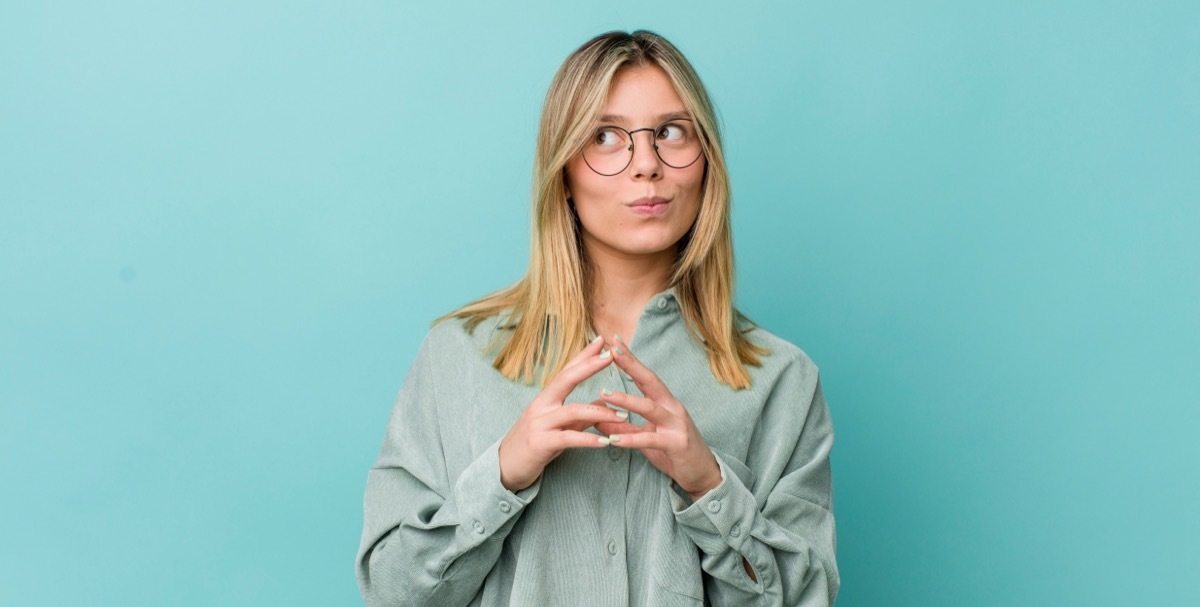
(601, 526)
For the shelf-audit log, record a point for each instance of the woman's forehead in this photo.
(664, 117)
(642, 94)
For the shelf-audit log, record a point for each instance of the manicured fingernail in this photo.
(606, 392)
(617, 337)
(605, 354)
(614, 438)
(602, 440)
(597, 340)
(619, 350)
(622, 415)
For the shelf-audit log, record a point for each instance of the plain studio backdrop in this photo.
(226, 226)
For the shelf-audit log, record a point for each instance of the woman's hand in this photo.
(669, 440)
(547, 426)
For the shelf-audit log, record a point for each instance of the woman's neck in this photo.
(622, 285)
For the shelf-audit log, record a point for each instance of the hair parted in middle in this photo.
(547, 311)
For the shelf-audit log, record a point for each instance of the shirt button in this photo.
(478, 527)
(614, 453)
(736, 530)
(612, 547)
(662, 303)
(714, 506)
(504, 507)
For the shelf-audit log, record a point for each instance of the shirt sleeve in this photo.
(430, 538)
(787, 535)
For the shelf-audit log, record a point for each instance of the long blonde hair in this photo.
(547, 310)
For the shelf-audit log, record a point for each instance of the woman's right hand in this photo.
(548, 426)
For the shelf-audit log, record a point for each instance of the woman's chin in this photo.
(645, 241)
(648, 248)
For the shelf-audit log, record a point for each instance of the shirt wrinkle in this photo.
(601, 526)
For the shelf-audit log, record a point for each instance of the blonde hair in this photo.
(547, 310)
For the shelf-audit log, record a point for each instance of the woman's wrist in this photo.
(699, 494)
(714, 480)
(512, 484)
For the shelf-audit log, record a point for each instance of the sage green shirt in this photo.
(601, 526)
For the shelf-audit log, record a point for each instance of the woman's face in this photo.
(611, 209)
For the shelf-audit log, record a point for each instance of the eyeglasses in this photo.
(610, 149)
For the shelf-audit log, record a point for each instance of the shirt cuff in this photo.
(723, 517)
(484, 505)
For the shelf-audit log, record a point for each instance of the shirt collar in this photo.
(662, 301)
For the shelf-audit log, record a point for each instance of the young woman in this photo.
(610, 430)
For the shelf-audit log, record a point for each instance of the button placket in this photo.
(613, 481)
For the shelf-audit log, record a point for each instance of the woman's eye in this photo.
(671, 131)
(607, 137)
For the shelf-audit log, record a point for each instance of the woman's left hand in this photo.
(669, 440)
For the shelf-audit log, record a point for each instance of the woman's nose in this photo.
(646, 162)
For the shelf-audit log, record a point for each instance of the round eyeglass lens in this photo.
(610, 149)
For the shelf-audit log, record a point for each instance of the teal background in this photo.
(226, 226)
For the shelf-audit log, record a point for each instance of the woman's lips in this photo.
(650, 206)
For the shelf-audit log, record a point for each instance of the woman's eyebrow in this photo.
(676, 115)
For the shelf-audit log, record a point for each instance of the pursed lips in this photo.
(648, 201)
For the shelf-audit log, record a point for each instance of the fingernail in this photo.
(597, 340)
(622, 415)
(602, 440)
(617, 337)
(619, 350)
(605, 354)
(606, 392)
(614, 438)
